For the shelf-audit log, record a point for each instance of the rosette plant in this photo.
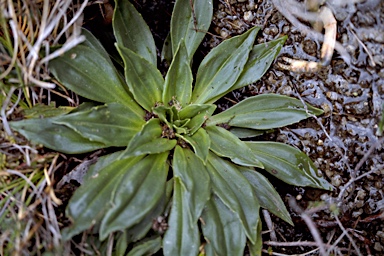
(178, 159)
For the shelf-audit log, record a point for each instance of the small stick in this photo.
(193, 14)
(268, 220)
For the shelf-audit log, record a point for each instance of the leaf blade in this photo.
(148, 141)
(200, 143)
(288, 164)
(225, 144)
(192, 173)
(92, 199)
(221, 68)
(178, 81)
(222, 229)
(112, 124)
(181, 238)
(263, 112)
(183, 27)
(132, 32)
(141, 189)
(235, 192)
(89, 74)
(260, 59)
(267, 195)
(144, 80)
(54, 136)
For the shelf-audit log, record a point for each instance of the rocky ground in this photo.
(345, 142)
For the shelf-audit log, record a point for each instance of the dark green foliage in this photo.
(168, 129)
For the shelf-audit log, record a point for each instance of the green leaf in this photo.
(222, 229)
(141, 229)
(141, 189)
(92, 42)
(42, 110)
(195, 178)
(263, 112)
(200, 143)
(132, 32)
(178, 81)
(91, 200)
(181, 238)
(166, 52)
(184, 27)
(288, 164)
(198, 113)
(225, 144)
(89, 74)
(102, 163)
(267, 195)
(121, 243)
(243, 133)
(148, 247)
(235, 191)
(112, 124)
(221, 68)
(260, 59)
(256, 248)
(149, 141)
(143, 78)
(167, 114)
(54, 136)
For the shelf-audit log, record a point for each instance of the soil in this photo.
(344, 143)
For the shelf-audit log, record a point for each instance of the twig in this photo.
(349, 237)
(358, 166)
(7, 100)
(363, 45)
(269, 223)
(305, 30)
(311, 225)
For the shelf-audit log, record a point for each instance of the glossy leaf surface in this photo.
(257, 248)
(260, 59)
(183, 24)
(235, 191)
(243, 133)
(148, 247)
(221, 68)
(225, 144)
(267, 195)
(91, 200)
(182, 237)
(113, 124)
(265, 111)
(149, 141)
(141, 189)
(92, 42)
(143, 78)
(178, 81)
(222, 229)
(55, 136)
(200, 143)
(42, 110)
(198, 113)
(288, 164)
(89, 74)
(132, 32)
(194, 176)
(102, 162)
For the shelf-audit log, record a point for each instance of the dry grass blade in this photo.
(28, 32)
